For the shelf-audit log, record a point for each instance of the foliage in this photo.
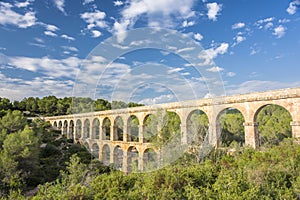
(170, 127)
(51, 105)
(274, 124)
(5, 105)
(33, 154)
(18, 159)
(150, 128)
(13, 121)
(232, 128)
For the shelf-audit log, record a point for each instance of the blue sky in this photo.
(255, 46)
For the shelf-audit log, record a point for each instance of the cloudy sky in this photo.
(47, 46)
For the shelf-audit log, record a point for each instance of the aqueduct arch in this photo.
(86, 128)
(78, 129)
(133, 128)
(248, 104)
(96, 129)
(106, 129)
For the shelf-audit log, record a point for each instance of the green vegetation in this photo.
(247, 174)
(31, 153)
(274, 125)
(51, 105)
(232, 128)
(37, 162)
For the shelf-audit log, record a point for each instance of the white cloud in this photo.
(253, 75)
(254, 50)
(258, 86)
(240, 39)
(57, 78)
(51, 28)
(268, 25)
(23, 4)
(118, 3)
(198, 36)
(8, 16)
(238, 25)
(158, 100)
(87, 1)
(213, 52)
(267, 21)
(96, 33)
(94, 19)
(185, 23)
(213, 9)
(284, 20)
(70, 48)
(215, 69)
(67, 37)
(175, 70)
(185, 49)
(17, 89)
(279, 31)
(231, 74)
(120, 29)
(50, 33)
(47, 66)
(159, 14)
(293, 7)
(60, 4)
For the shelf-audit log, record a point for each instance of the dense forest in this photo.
(51, 105)
(37, 162)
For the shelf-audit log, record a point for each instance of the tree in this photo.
(132, 104)
(13, 121)
(274, 124)
(118, 105)
(19, 157)
(75, 172)
(48, 105)
(81, 105)
(32, 105)
(5, 104)
(197, 126)
(232, 128)
(101, 104)
(171, 127)
(150, 129)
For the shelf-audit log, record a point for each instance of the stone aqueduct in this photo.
(98, 130)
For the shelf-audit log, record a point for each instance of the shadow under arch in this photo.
(71, 130)
(86, 129)
(78, 129)
(65, 128)
(132, 159)
(105, 155)
(96, 129)
(118, 157)
(95, 150)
